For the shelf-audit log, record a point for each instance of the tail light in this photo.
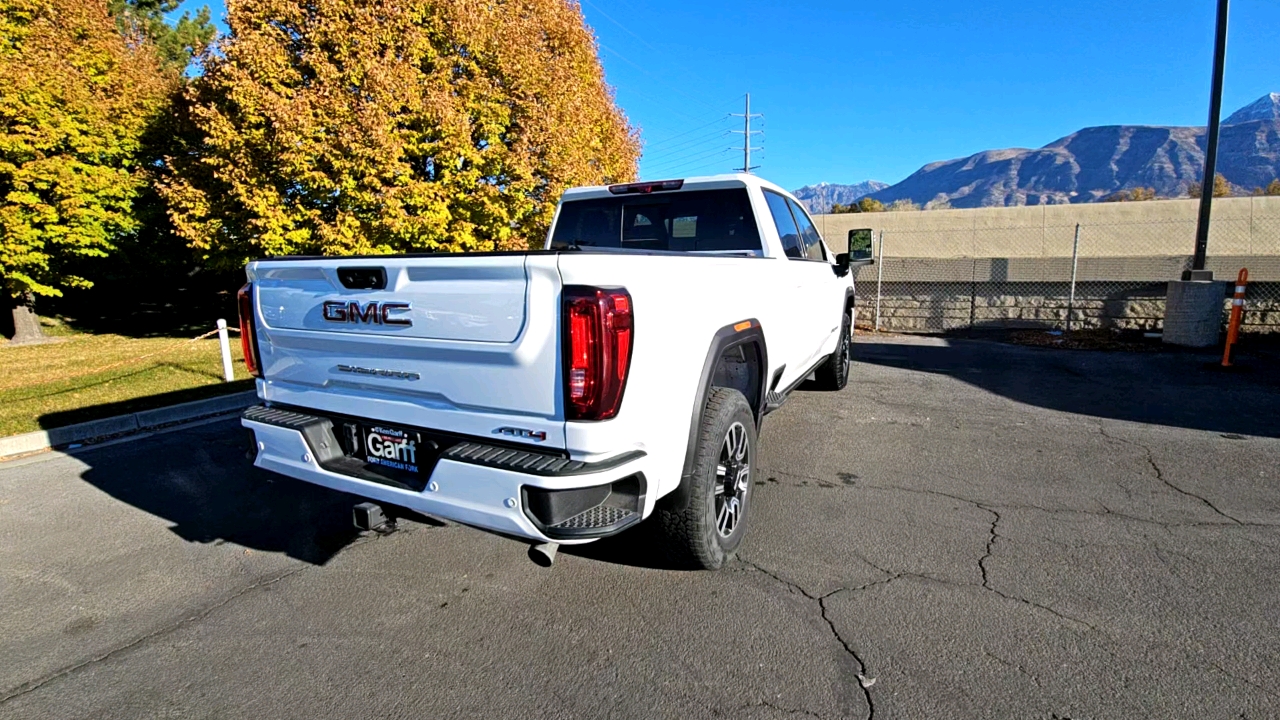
(597, 347)
(248, 336)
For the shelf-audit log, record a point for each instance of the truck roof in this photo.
(704, 182)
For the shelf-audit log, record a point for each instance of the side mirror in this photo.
(860, 248)
(842, 264)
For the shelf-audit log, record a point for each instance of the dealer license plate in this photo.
(392, 448)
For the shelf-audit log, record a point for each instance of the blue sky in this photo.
(853, 90)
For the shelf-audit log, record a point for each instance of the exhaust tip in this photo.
(544, 554)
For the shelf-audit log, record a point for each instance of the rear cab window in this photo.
(682, 221)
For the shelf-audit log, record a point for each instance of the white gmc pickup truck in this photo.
(560, 395)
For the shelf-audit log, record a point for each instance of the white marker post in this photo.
(227, 371)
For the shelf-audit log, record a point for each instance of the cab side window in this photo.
(809, 236)
(792, 243)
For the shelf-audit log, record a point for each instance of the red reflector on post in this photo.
(248, 338)
(597, 350)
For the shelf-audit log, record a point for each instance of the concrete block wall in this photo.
(1244, 226)
(908, 307)
(1024, 288)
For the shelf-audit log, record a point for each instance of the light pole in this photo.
(1193, 305)
(1197, 271)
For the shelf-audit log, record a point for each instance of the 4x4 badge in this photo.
(522, 433)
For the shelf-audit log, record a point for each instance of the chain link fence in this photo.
(1077, 276)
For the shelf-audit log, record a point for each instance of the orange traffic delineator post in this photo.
(1237, 313)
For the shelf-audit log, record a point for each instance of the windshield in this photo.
(693, 221)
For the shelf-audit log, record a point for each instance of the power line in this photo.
(646, 43)
(691, 155)
(698, 167)
(624, 27)
(642, 69)
(686, 146)
(687, 132)
(669, 167)
(671, 108)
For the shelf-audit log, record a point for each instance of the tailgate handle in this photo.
(363, 278)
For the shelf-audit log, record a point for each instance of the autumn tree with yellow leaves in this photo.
(340, 127)
(76, 98)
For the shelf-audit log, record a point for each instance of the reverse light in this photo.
(645, 188)
(248, 335)
(598, 328)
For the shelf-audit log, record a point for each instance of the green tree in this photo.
(76, 100)
(865, 204)
(1137, 194)
(1272, 188)
(178, 42)
(1221, 188)
(350, 126)
(869, 204)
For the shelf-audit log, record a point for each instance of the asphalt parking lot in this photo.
(969, 530)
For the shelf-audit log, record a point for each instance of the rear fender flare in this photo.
(725, 339)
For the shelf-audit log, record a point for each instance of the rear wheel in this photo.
(706, 532)
(834, 373)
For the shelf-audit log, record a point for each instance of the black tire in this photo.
(834, 373)
(694, 534)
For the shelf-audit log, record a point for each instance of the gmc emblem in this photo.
(374, 312)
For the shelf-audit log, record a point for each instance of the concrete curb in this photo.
(124, 424)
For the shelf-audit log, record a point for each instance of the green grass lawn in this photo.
(86, 376)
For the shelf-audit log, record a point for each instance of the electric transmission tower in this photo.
(747, 132)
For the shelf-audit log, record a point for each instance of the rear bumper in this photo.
(538, 496)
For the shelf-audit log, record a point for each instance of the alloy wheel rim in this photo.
(733, 479)
(848, 346)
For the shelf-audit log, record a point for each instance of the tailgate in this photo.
(462, 343)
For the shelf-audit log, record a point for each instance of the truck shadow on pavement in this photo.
(642, 546)
(200, 480)
(1172, 388)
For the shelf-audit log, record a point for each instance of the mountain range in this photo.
(1093, 163)
(819, 198)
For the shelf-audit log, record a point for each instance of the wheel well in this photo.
(741, 369)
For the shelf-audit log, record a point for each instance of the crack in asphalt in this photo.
(1106, 511)
(1015, 666)
(992, 536)
(1159, 473)
(27, 687)
(1244, 680)
(789, 711)
(34, 685)
(822, 606)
